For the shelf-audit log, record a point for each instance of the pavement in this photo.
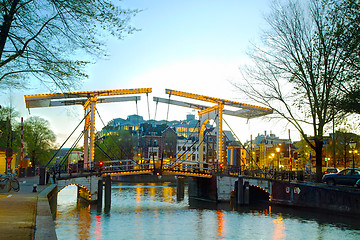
(18, 210)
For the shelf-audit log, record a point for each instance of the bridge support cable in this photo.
(47, 164)
(168, 109)
(179, 161)
(138, 130)
(242, 145)
(97, 145)
(71, 149)
(245, 110)
(186, 150)
(114, 155)
(112, 138)
(148, 105)
(88, 99)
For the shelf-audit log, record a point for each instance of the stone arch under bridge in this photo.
(220, 188)
(87, 185)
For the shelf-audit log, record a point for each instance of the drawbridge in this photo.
(151, 165)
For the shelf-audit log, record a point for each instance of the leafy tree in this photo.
(350, 102)
(301, 68)
(45, 39)
(347, 28)
(38, 140)
(8, 136)
(118, 145)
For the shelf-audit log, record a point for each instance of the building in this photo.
(169, 139)
(4, 161)
(269, 151)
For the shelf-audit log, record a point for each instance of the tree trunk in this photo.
(5, 28)
(318, 152)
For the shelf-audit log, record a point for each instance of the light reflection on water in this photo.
(150, 211)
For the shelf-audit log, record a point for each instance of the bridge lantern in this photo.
(100, 165)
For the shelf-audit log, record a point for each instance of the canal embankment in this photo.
(45, 213)
(338, 199)
(341, 199)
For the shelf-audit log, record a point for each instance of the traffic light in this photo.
(221, 165)
(100, 165)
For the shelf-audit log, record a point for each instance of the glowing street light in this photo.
(278, 151)
(352, 145)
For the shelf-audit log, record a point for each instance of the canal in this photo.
(151, 211)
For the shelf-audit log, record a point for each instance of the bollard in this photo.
(34, 188)
(42, 175)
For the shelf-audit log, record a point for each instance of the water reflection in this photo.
(279, 228)
(221, 225)
(150, 211)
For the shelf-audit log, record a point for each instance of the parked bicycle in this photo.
(12, 180)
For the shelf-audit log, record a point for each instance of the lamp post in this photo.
(352, 145)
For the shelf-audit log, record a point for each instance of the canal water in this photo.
(151, 211)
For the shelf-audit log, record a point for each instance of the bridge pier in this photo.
(180, 188)
(221, 188)
(242, 192)
(100, 195)
(107, 193)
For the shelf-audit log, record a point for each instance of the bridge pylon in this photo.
(215, 113)
(88, 99)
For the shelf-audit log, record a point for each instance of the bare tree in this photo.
(51, 39)
(300, 68)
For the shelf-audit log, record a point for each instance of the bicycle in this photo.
(12, 180)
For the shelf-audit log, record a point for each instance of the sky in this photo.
(191, 46)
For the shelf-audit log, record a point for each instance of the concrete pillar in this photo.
(180, 188)
(99, 195)
(107, 193)
(239, 191)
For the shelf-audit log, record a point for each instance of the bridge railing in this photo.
(155, 164)
(160, 165)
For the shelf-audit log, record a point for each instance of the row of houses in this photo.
(179, 139)
(171, 139)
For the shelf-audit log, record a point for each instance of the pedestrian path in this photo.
(18, 210)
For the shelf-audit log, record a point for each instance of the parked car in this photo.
(357, 184)
(348, 176)
(331, 171)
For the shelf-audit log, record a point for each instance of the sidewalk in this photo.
(18, 210)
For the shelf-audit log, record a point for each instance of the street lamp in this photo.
(352, 145)
(278, 150)
(272, 163)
